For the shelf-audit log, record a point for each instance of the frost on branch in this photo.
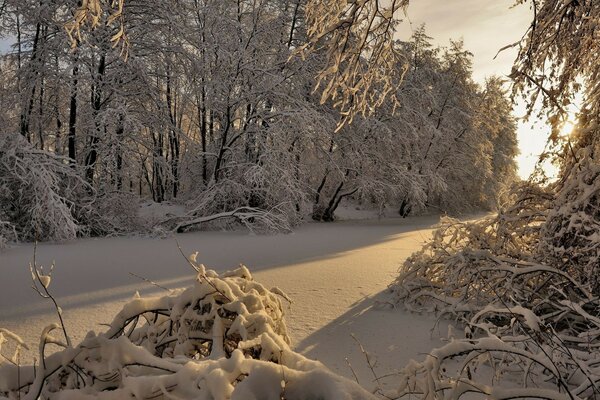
(362, 60)
(530, 314)
(571, 234)
(223, 338)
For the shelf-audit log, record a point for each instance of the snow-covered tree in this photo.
(235, 108)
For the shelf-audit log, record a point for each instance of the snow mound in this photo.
(223, 338)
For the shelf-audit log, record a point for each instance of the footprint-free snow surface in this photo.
(336, 275)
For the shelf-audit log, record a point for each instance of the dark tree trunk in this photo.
(92, 155)
(119, 156)
(58, 145)
(295, 16)
(41, 115)
(317, 205)
(73, 112)
(405, 208)
(173, 136)
(26, 112)
(202, 121)
(327, 214)
(158, 193)
(223, 145)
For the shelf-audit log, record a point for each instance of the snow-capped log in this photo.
(222, 338)
(273, 220)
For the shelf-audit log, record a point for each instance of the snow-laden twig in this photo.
(41, 283)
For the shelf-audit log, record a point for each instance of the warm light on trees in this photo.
(362, 64)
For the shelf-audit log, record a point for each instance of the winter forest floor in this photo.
(336, 274)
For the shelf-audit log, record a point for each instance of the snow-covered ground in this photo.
(336, 275)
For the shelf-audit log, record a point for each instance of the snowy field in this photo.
(336, 274)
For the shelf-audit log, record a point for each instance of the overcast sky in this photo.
(486, 26)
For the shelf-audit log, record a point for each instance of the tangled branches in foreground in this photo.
(223, 338)
(530, 315)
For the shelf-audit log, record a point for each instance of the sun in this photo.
(567, 128)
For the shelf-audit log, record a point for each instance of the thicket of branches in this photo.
(524, 283)
(525, 290)
(222, 106)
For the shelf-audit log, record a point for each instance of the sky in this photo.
(486, 26)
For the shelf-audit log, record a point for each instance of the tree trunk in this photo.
(295, 16)
(92, 155)
(58, 145)
(73, 112)
(157, 178)
(41, 115)
(328, 214)
(173, 136)
(405, 208)
(26, 112)
(119, 156)
(223, 145)
(202, 122)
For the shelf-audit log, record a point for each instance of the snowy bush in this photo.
(37, 190)
(223, 338)
(7, 233)
(571, 235)
(530, 317)
(111, 214)
(44, 197)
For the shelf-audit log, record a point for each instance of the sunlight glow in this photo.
(567, 128)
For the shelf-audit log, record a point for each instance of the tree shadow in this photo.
(91, 271)
(388, 334)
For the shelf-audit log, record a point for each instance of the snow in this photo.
(348, 211)
(335, 274)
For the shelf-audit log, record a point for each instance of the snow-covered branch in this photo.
(199, 343)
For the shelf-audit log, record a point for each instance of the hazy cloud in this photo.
(485, 25)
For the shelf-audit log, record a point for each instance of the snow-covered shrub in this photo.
(571, 234)
(44, 197)
(222, 338)
(531, 325)
(8, 233)
(37, 191)
(111, 213)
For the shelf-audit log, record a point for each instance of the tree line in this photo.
(214, 105)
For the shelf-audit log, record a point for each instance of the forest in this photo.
(156, 118)
(209, 105)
